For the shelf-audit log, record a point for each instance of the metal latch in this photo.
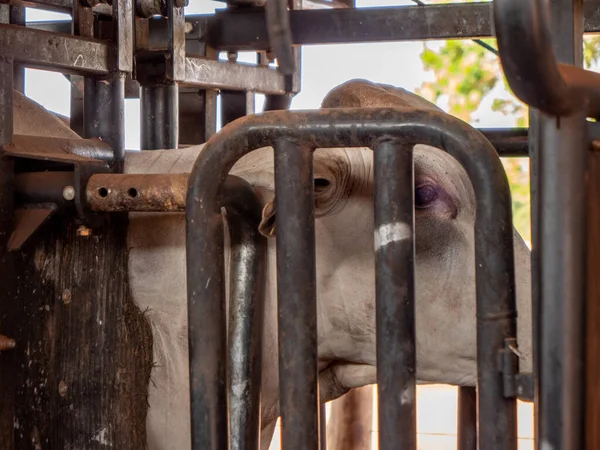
(514, 384)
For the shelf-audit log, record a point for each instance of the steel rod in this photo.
(562, 242)
(159, 107)
(280, 34)
(207, 338)
(296, 296)
(246, 31)
(395, 294)
(104, 109)
(246, 312)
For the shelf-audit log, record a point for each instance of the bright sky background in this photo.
(323, 68)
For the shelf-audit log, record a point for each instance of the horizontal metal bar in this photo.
(508, 142)
(62, 6)
(166, 193)
(132, 192)
(45, 187)
(213, 74)
(247, 30)
(306, 4)
(53, 51)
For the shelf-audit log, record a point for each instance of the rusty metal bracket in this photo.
(51, 175)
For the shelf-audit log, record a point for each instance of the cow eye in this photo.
(425, 195)
(321, 184)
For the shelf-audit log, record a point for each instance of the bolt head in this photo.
(68, 193)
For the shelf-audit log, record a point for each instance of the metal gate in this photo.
(116, 49)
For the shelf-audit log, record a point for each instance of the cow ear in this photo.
(322, 186)
(267, 223)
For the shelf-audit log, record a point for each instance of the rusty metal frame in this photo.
(105, 56)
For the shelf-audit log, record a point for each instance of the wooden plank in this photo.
(8, 307)
(84, 350)
(592, 367)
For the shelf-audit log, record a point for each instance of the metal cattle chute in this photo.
(67, 383)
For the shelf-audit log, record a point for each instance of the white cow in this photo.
(445, 272)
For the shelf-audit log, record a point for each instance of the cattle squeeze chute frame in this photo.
(113, 50)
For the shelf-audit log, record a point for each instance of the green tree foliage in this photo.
(464, 74)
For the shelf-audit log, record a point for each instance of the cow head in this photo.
(445, 258)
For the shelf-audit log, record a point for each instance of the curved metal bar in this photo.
(530, 64)
(354, 127)
(248, 256)
(246, 311)
(280, 34)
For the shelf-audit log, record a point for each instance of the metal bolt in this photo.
(6, 343)
(66, 296)
(69, 193)
(84, 231)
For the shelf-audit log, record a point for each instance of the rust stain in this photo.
(133, 192)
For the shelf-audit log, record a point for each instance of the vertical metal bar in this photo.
(296, 293)
(17, 17)
(6, 89)
(235, 104)
(104, 112)
(159, 105)
(76, 118)
(206, 302)
(197, 116)
(562, 199)
(277, 102)
(246, 311)
(176, 25)
(122, 34)
(467, 419)
(563, 243)
(395, 295)
(82, 25)
(208, 124)
(534, 189)
(280, 34)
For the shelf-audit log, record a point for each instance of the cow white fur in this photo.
(445, 271)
